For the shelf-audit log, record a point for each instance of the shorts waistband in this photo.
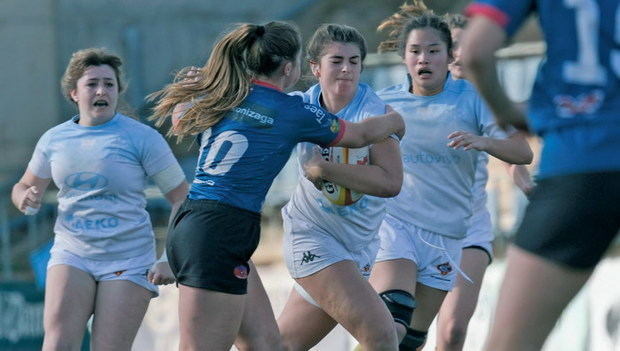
(208, 204)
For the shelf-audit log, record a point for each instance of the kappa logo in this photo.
(86, 181)
(444, 268)
(308, 257)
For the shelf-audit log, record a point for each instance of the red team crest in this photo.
(241, 272)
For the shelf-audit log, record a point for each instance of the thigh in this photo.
(119, 310)
(460, 303)
(347, 297)
(428, 302)
(394, 274)
(529, 304)
(303, 324)
(208, 320)
(259, 330)
(69, 302)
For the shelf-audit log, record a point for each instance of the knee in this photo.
(453, 333)
(266, 342)
(58, 342)
(381, 338)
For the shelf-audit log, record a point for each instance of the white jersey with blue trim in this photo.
(355, 225)
(575, 102)
(242, 154)
(101, 173)
(437, 187)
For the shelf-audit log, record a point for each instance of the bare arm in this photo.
(522, 178)
(480, 41)
(514, 149)
(383, 177)
(161, 273)
(372, 130)
(28, 191)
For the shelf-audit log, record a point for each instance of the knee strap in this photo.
(401, 305)
(413, 339)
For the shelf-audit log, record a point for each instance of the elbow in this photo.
(526, 157)
(390, 189)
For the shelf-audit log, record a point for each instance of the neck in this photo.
(333, 102)
(90, 121)
(276, 82)
(416, 90)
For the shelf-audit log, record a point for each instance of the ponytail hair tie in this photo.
(260, 30)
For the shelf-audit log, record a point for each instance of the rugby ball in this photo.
(336, 194)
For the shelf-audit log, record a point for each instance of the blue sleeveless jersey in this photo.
(575, 104)
(242, 154)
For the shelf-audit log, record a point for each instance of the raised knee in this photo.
(382, 338)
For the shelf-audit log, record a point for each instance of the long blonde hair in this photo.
(225, 80)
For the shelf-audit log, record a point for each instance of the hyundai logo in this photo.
(86, 181)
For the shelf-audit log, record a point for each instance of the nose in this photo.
(423, 58)
(100, 89)
(345, 67)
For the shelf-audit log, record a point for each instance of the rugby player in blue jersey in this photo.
(575, 107)
(246, 127)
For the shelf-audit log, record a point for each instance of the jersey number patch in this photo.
(587, 70)
(224, 151)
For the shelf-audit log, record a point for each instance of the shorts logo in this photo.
(366, 268)
(117, 273)
(308, 257)
(444, 268)
(241, 272)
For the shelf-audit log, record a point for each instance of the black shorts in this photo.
(210, 243)
(572, 219)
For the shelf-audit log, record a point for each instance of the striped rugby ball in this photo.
(336, 194)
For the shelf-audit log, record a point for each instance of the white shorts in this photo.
(309, 249)
(133, 269)
(480, 232)
(436, 256)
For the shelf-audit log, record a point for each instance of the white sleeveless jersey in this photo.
(439, 181)
(101, 173)
(355, 225)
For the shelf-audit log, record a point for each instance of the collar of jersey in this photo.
(265, 84)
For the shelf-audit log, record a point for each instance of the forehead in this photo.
(98, 72)
(341, 49)
(424, 37)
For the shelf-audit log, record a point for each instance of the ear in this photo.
(288, 68)
(73, 94)
(315, 68)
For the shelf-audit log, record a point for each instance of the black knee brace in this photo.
(401, 305)
(413, 339)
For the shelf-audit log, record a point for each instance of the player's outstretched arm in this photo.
(372, 130)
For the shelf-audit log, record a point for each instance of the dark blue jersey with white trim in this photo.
(242, 154)
(575, 103)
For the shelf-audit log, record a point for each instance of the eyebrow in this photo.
(105, 78)
(342, 57)
(418, 45)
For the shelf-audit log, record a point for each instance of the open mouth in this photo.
(424, 72)
(100, 103)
